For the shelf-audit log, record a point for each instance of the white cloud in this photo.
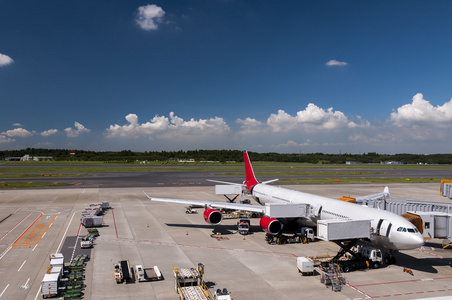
(250, 126)
(79, 128)
(4, 140)
(334, 62)
(422, 112)
(17, 125)
(49, 132)
(149, 16)
(170, 128)
(20, 132)
(5, 60)
(312, 118)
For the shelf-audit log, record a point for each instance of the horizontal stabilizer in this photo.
(269, 181)
(225, 182)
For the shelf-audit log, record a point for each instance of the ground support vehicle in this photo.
(86, 242)
(190, 210)
(330, 275)
(119, 278)
(305, 266)
(243, 226)
(355, 255)
(307, 235)
(281, 239)
(222, 295)
(147, 274)
(189, 283)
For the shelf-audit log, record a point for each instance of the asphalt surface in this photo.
(146, 178)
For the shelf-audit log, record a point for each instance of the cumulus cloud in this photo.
(4, 140)
(75, 132)
(149, 16)
(49, 132)
(250, 126)
(5, 60)
(17, 125)
(422, 112)
(18, 132)
(312, 117)
(334, 62)
(169, 128)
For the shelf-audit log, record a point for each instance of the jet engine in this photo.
(213, 216)
(270, 225)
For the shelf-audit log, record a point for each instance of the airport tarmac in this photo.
(35, 223)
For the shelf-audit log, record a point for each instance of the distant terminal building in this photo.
(352, 163)
(28, 157)
(392, 163)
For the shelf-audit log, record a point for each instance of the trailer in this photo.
(50, 285)
(305, 266)
(147, 274)
(126, 270)
(189, 283)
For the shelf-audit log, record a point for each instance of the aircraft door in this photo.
(384, 227)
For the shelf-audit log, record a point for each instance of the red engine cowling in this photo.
(270, 225)
(213, 216)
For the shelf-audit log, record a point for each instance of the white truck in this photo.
(147, 274)
(86, 242)
(50, 285)
(308, 233)
(305, 266)
(222, 295)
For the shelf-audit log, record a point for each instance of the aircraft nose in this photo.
(418, 240)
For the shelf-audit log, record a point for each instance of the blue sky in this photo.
(280, 76)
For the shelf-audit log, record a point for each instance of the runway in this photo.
(162, 234)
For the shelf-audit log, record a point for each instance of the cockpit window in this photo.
(403, 229)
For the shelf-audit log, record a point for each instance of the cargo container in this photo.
(50, 285)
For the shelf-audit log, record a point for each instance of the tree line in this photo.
(227, 156)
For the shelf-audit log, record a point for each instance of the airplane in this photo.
(389, 230)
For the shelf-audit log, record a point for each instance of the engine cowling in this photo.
(213, 216)
(270, 225)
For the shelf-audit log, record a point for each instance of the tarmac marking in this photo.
(35, 232)
(422, 250)
(403, 281)
(14, 227)
(114, 221)
(4, 290)
(21, 265)
(397, 282)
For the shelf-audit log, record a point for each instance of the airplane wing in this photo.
(376, 196)
(213, 204)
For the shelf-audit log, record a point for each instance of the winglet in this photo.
(250, 178)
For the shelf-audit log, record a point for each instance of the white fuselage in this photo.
(388, 228)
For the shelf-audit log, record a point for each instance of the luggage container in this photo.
(50, 285)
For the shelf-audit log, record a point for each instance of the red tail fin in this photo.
(250, 178)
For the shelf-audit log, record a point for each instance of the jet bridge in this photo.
(434, 219)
